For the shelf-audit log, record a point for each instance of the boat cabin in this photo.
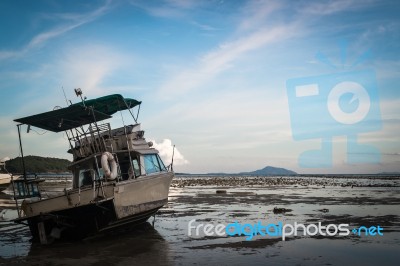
(136, 165)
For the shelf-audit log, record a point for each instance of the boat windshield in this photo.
(153, 164)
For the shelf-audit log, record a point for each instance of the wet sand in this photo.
(356, 201)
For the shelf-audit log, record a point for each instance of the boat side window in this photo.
(151, 163)
(85, 177)
(136, 167)
(124, 166)
(101, 173)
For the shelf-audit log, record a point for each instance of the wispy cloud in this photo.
(74, 21)
(254, 34)
(185, 4)
(256, 13)
(88, 66)
(333, 6)
(261, 23)
(204, 27)
(169, 8)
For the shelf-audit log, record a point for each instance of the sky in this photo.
(220, 80)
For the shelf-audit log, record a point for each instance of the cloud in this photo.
(255, 29)
(88, 66)
(166, 149)
(260, 23)
(5, 159)
(185, 4)
(331, 7)
(255, 14)
(227, 123)
(222, 58)
(171, 9)
(204, 27)
(75, 21)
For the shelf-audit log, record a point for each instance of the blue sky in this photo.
(211, 74)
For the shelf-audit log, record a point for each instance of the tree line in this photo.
(37, 164)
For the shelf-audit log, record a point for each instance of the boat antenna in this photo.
(78, 93)
(65, 96)
(172, 160)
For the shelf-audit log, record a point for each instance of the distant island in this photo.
(266, 171)
(269, 170)
(389, 173)
(37, 164)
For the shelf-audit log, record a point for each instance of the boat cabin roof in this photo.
(79, 114)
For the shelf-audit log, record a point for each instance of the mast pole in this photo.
(172, 161)
(21, 150)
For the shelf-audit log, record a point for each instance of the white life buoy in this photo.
(107, 160)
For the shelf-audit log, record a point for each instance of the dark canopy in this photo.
(110, 104)
(80, 114)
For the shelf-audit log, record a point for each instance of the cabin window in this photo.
(153, 163)
(124, 167)
(136, 168)
(26, 190)
(101, 173)
(85, 177)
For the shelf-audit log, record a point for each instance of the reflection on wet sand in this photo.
(141, 245)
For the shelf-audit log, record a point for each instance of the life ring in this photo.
(107, 160)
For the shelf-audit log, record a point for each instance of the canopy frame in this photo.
(80, 114)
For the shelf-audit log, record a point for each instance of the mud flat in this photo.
(356, 201)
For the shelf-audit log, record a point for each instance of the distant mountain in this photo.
(266, 171)
(37, 164)
(389, 173)
(269, 171)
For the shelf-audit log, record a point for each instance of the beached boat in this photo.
(5, 180)
(118, 177)
(5, 177)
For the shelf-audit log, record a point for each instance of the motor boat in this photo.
(118, 177)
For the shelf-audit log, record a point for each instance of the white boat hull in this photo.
(78, 214)
(5, 180)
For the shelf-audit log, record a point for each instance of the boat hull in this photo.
(5, 180)
(125, 203)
